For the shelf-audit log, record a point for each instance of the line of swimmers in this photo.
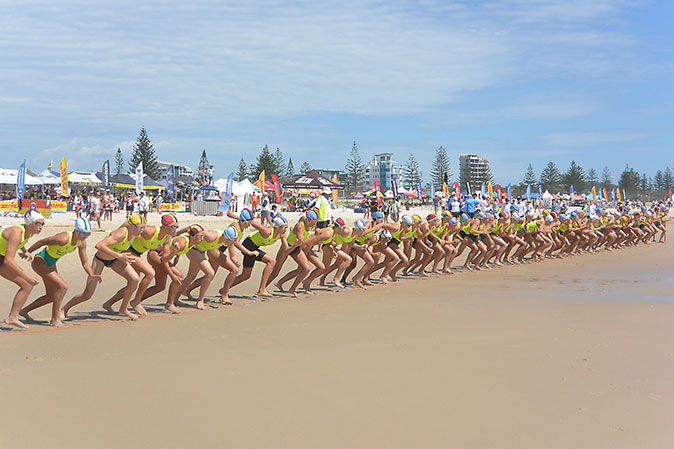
(410, 246)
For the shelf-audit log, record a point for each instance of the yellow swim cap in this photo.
(136, 219)
(416, 218)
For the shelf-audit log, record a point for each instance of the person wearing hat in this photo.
(324, 208)
(143, 204)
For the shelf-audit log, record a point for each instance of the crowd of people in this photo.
(324, 249)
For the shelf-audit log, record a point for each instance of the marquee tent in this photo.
(8, 176)
(49, 178)
(313, 180)
(82, 177)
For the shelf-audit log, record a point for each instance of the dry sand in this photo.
(573, 353)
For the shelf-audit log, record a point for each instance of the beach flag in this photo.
(445, 189)
(106, 173)
(670, 194)
(617, 194)
(21, 180)
(420, 194)
(499, 193)
(490, 189)
(594, 193)
(432, 190)
(377, 189)
(528, 191)
(139, 178)
(468, 188)
(261, 179)
(605, 194)
(394, 187)
(572, 191)
(612, 195)
(457, 189)
(334, 191)
(171, 183)
(540, 189)
(277, 188)
(49, 166)
(624, 195)
(483, 189)
(63, 169)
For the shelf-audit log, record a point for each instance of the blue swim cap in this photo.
(360, 225)
(573, 215)
(452, 221)
(246, 215)
(378, 215)
(311, 214)
(230, 233)
(279, 221)
(563, 217)
(465, 217)
(407, 219)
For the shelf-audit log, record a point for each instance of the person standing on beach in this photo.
(95, 208)
(13, 239)
(44, 264)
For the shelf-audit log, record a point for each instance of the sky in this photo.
(514, 81)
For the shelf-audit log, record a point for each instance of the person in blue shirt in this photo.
(471, 205)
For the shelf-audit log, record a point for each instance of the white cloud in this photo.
(588, 139)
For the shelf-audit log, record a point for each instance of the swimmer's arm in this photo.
(115, 237)
(84, 260)
(284, 242)
(182, 230)
(232, 255)
(58, 239)
(265, 231)
(13, 236)
(245, 251)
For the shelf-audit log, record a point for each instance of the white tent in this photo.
(82, 177)
(547, 196)
(8, 176)
(49, 178)
(221, 184)
(244, 187)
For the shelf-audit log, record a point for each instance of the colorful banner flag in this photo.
(483, 189)
(617, 194)
(419, 192)
(106, 173)
(490, 189)
(499, 193)
(261, 180)
(528, 191)
(335, 181)
(377, 188)
(572, 191)
(394, 187)
(139, 178)
(457, 189)
(613, 194)
(594, 194)
(63, 169)
(605, 194)
(624, 195)
(445, 190)
(432, 190)
(670, 194)
(49, 166)
(21, 181)
(171, 181)
(510, 191)
(277, 188)
(468, 189)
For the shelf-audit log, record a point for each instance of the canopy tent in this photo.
(547, 195)
(358, 195)
(49, 178)
(389, 194)
(268, 186)
(531, 196)
(8, 176)
(128, 181)
(243, 187)
(81, 177)
(313, 180)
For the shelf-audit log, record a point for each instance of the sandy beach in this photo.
(572, 353)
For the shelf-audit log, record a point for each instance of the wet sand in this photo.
(572, 353)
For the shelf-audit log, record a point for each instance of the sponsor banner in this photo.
(173, 207)
(59, 206)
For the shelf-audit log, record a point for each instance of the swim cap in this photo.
(279, 221)
(446, 214)
(515, 216)
(481, 215)
(549, 218)
(230, 233)
(246, 215)
(554, 215)
(82, 225)
(195, 229)
(32, 216)
(311, 215)
(407, 219)
(452, 221)
(503, 214)
(339, 223)
(431, 217)
(563, 217)
(573, 215)
(386, 234)
(416, 218)
(378, 215)
(546, 212)
(465, 217)
(169, 219)
(136, 219)
(360, 225)
(514, 208)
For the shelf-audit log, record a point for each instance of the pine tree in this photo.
(529, 176)
(411, 173)
(551, 177)
(606, 178)
(202, 174)
(644, 183)
(659, 182)
(119, 161)
(440, 167)
(668, 179)
(629, 179)
(143, 151)
(280, 162)
(575, 176)
(355, 170)
(305, 168)
(265, 161)
(592, 176)
(290, 170)
(242, 171)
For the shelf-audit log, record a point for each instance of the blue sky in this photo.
(515, 81)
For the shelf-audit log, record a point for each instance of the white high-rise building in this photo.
(473, 169)
(382, 168)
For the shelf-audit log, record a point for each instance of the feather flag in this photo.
(490, 189)
(617, 194)
(594, 193)
(499, 193)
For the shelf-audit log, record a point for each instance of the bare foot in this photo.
(279, 286)
(337, 283)
(200, 305)
(56, 323)
(25, 315)
(265, 293)
(293, 293)
(132, 316)
(62, 314)
(359, 285)
(467, 268)
(16, 323)
(140, 309)
(393, 277)
(226, 301)
(172, 309)
(383, 280)
(321, 281)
